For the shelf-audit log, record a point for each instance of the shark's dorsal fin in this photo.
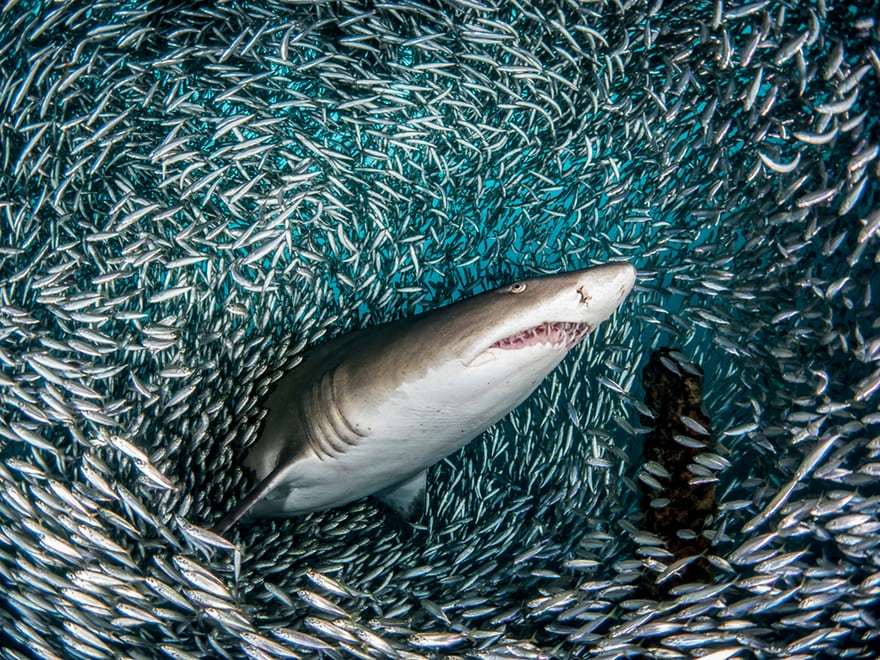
(260, 491)
(406, 498)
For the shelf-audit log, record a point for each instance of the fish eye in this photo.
(518, 287)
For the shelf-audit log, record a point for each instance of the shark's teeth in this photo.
(556, 334)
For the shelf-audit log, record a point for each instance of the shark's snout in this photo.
(602, 289)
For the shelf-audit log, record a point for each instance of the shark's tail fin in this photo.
(259, 492)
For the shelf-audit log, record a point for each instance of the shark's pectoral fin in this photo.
(260, 491)
(406, 498)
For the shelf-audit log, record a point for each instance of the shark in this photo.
(368, 412)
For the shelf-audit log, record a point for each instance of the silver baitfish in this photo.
(193, 196)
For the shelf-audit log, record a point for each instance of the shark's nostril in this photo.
(585, 297)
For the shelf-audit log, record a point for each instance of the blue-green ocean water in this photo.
(194, 195)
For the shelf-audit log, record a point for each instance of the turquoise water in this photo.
(192, 197)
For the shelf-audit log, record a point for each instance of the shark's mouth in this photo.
(557, 334)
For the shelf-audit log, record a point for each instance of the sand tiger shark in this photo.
(368, 412)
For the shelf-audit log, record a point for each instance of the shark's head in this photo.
(541, 318)
(487, 353)
(469, 363)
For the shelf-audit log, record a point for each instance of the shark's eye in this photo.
(519, 287)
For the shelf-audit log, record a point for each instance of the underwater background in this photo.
(195, 193)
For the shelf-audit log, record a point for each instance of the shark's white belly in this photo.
(417, 426)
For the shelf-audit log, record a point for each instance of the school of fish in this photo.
(193, 194)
